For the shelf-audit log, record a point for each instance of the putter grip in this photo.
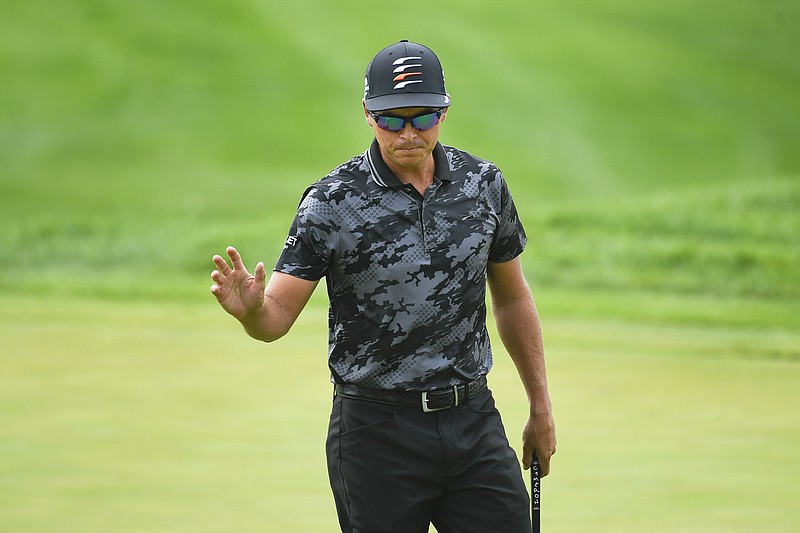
(536, 492)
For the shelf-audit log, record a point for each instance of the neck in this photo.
(420, 176)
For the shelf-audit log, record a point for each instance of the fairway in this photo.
(166, 418)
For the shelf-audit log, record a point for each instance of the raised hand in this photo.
(238, 292)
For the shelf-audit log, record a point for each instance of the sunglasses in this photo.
(421, 122)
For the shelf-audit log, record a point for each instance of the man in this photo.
(407, 235)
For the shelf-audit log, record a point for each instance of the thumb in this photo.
(261, 274)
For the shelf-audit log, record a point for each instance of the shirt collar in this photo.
(384, 176)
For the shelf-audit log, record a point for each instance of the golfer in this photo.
(406, 235)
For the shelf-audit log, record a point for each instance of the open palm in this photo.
(237, 291)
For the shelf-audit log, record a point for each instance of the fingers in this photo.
(527, 456)
(544, 462)
(218, 278)
(221, 276)
(236, 259)
(538, 437)
(222, 265)
(223, 271)
(544, 466)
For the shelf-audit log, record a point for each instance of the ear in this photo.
(366, 113)
(444, 115)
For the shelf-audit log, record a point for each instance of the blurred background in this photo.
(652, 152)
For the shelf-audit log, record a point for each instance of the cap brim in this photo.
(404, 100)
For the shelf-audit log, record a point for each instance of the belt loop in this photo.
(455, 391)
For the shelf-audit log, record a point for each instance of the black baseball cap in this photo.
(402, 75)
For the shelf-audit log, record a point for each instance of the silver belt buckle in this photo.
(427, 409)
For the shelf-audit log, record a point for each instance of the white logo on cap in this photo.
(401, 77)
(404, 59)
(403, 68)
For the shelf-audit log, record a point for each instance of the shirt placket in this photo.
(426, 227)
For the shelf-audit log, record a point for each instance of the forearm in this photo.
(520, 331)
(268, 323)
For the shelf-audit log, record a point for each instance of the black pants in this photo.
(398, 469)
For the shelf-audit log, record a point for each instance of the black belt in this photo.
(433, 400)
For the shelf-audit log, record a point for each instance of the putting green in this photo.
(166, 417)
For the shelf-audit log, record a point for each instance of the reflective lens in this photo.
(420, 122)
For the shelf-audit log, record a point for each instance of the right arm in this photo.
(267, 311)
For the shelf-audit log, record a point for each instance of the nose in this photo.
(408, 132)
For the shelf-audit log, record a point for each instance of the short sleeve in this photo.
(309, 246)
(509, 240)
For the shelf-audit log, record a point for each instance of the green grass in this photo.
(119, 417)
(721, 241)
(651, 149)
(165, 417)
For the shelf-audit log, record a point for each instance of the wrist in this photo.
(541, 407)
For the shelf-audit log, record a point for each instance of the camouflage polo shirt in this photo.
(406, 273)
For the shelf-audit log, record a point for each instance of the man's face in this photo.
(408, 148)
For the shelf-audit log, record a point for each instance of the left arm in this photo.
(518, 325)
